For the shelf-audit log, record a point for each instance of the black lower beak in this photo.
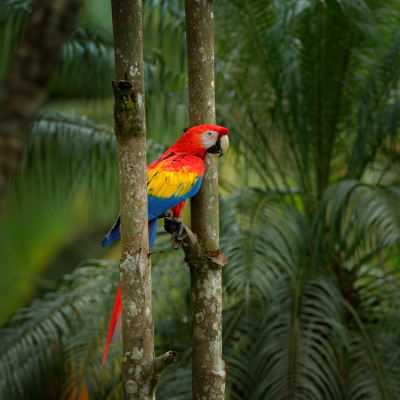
(216, 148)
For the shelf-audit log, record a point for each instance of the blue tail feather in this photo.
(110, 237)
(114, 232)
(152, 232)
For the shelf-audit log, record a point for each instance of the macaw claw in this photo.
(173, 226)
(166, 214)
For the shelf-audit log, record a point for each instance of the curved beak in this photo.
(220, 146)
(224, 144)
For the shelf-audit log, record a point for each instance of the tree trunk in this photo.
(204, 259)
(141, 371)
(24, 85)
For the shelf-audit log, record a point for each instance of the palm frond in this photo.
(302, 334)
(361, 381)
(53, 193)
(175, 383)
(279, 349)
(379, 111)
(240, 334)
(259, 252)
(86, 67)
(361, 219)
(298, 341)
(55, 339)
(299, 93)
(13, 17)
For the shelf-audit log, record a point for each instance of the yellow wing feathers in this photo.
(165, 183)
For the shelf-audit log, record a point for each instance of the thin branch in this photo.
(163, 361)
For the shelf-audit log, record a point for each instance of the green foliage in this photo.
(303, 323)
(13, 17)
(53, 348)
(315, 82)
(67, 178)
(86, 66)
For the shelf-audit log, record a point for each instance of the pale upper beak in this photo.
(223, 145)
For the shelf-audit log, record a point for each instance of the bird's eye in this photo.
(209, 133)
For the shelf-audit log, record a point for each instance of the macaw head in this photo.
(204, 139)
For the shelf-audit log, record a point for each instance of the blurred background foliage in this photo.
(310, 195)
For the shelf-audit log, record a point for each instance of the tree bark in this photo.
(24, 85)
(202, 255)
(140, 370)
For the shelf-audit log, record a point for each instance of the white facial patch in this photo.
(209, 138)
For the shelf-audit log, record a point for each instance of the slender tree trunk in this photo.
(141, 371)
(24, 86)
(205, 261)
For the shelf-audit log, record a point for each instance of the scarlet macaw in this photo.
(171, 179)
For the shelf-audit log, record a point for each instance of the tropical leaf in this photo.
(259, 253)
(53, 194)
(363, 221)
(13, 17)
(46, 348)
(313, 66)
(298, 341)
(298, 336)
(379, 111)
(175, 383)
(86, 66)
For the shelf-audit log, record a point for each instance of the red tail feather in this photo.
(114, 318)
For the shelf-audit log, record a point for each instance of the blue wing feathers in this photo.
(156, 206)
(159, 205)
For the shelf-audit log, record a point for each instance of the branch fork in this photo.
(193, 252)
(159, 364)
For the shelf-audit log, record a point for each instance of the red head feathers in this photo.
(203, 139)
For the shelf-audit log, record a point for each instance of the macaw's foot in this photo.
(174, 226)
(166, 215)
